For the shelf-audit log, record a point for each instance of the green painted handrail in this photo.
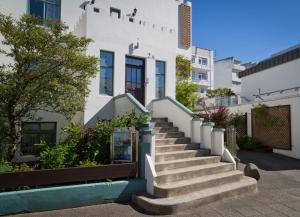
(134, 101)
(178, 104)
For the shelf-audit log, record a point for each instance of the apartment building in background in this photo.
(202, 69)
(226, 76)
(137, 41)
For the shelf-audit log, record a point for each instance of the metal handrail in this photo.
(277, 91)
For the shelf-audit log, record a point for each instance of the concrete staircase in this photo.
(188, 176)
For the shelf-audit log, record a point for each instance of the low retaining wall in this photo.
(52, 198)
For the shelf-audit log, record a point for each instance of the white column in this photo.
(197, 130)
(207, 135)
(218, 141)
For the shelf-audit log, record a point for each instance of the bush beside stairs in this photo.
(188, 176)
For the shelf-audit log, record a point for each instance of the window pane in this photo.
(48, 126)
(35, 133)
(52, 11)
(36, 8)
(106, 73)
(160, 79)
(106, 59)
(204, 61)
(30, 126)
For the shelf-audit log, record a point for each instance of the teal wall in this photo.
(44, 199)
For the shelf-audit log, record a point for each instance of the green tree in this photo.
(47, 70)
(183, 68)
(185, 94)
(185, 90)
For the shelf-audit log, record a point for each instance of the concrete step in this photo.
(192, 172)
(176, 155)
(169, 135)
(173, 189)
(181, 203)
(176, 147)
(165, 129)
(186, 162)
(170, 141)
(159, 120)
(163, 124)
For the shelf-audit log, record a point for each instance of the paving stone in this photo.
(247, 211)
(285, 210)
(264, 209)
(229, 212)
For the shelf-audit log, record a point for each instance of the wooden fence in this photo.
(68, 175)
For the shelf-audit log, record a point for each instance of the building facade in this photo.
(202, 69)
(136, 40)
(274, 77)
(226, 76)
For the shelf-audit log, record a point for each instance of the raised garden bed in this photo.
(67, 175)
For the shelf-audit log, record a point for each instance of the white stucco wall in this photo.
(294, 102)
(157, 35)
(273, 79)
(225, 72)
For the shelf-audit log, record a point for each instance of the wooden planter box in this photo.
(67, 175)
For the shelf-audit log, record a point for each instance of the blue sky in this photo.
(249, 30)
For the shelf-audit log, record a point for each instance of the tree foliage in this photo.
(185, 90)
(183, 67)
(47, 69)
(185, 94)
(220, 92)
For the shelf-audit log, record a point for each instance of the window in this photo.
(106, 72)
(200, 60)
(203, 76)
(193, 76)
(160, 79)
(203, 90)
(96, 10)
(45, 9)
(36, 133)
(193, 59)
(204, 61)
(114, 12)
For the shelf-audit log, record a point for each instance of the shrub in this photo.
(217, 114)
(220, 92)
(88, 146)
(5, 167)
(249, 143)
(236, 119)
(185, 94)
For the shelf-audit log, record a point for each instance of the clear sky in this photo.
(249, 30)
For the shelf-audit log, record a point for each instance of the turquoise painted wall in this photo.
(52, 198)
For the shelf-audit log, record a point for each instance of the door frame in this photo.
(143, 75)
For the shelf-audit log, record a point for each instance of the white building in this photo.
(274, 77)
(137, 41)
(226, 76)
(202, 69)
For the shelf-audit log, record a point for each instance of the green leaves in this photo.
(220, 92)
(47, 69)
(183, 67)
(88, 146)
(185, 94)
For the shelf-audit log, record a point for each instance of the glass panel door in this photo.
(135, 78)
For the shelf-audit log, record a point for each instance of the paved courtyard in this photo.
(279, 195)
